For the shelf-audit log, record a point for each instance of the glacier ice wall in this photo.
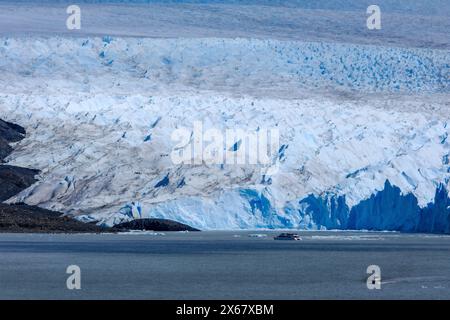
(387, 209)
(100, 113)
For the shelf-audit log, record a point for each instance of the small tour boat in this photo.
(288, 236)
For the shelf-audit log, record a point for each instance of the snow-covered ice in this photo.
(363, 121)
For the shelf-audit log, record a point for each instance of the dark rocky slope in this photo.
(5, 149)
(155, 225)
(9, 132)
(22, 218)
(15, 179)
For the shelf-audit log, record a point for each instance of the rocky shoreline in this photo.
(155, 225)
(22, 218)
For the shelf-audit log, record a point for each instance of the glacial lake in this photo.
(225, 265)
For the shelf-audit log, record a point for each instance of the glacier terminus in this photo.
(363, 120)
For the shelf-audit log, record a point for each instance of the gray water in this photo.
(225, 265)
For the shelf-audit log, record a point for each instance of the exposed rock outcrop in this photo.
(20, 218)
(15, 179)
(9, 132)
(154, 225)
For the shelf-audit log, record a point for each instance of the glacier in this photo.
(363, 129)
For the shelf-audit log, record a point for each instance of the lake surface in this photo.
(225, 265)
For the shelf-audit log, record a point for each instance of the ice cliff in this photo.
(363, 130)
